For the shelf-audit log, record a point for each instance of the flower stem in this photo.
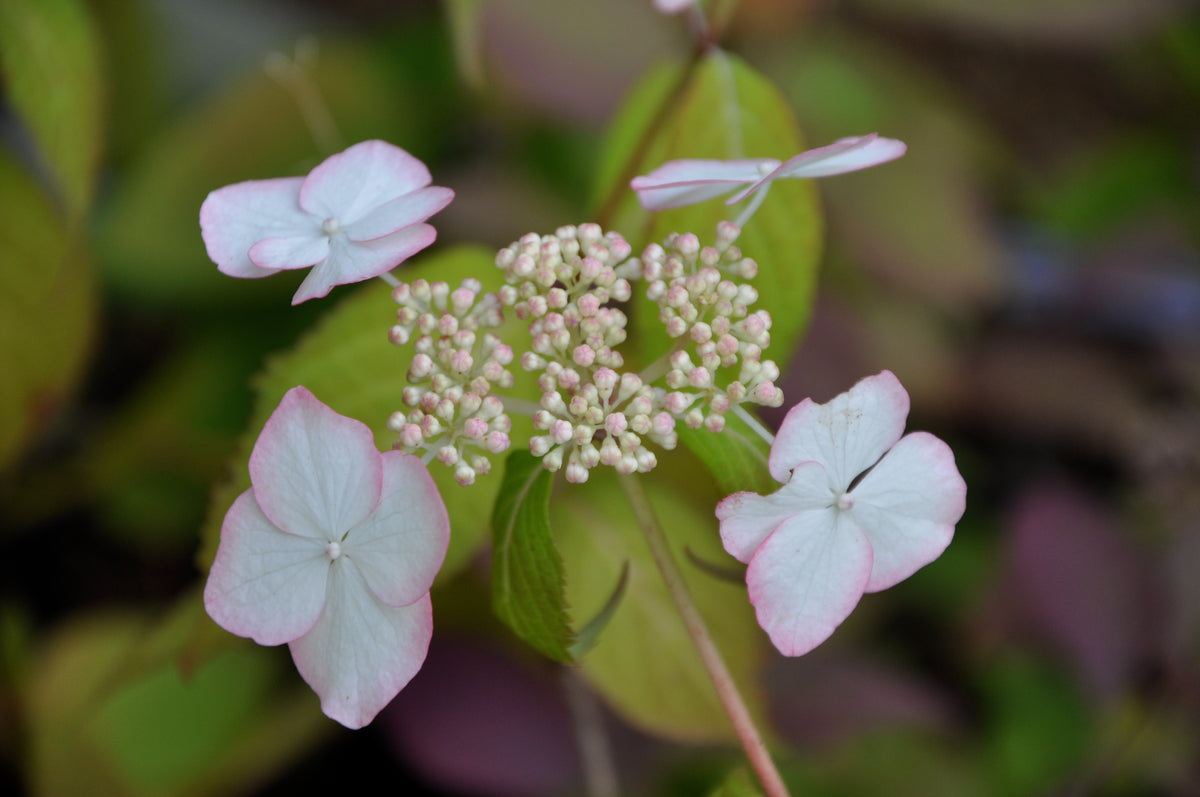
(727, 691)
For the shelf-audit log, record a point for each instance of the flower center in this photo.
(331, 226)
(334, 551)
(766, 167)
(845, 501)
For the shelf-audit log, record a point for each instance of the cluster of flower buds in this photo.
(453, 416)
(704, 306)
(565, 287)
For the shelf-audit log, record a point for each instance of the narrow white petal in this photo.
(265, 584)
(361, 652)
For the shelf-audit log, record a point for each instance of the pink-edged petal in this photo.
(315, 473)
(350, 262)
(401, 212)
(842, 156)
(748, 518)
(298, 251)
(807, 577)
(908, 505)
(361, 652)
(265, 584)
(234, 218)
(847, 435)
(686, 182)
(351, 184)
(401, 545)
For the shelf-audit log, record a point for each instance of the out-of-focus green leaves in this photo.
(54, 78)
(348, 363)
(47, 309)
(918, 223)
(740, 783)
(96, 727)
(722, 109)
(1117, 184)
(1039, 728)
(527, 571)
(149, 240)
(645, 664)
(465, 18)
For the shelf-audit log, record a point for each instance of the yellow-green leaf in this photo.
(52, 66)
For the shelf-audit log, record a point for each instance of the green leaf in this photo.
(47, 310)
(740, 783)
(527, 571)
(348, 363)
(101, 722)
(644, 663)
(721, 109)
(51, 62)
(589, 635)
(736, 457)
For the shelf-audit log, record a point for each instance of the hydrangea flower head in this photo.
(355, 216)
(685, 182)
(333, 551)
(862, 507)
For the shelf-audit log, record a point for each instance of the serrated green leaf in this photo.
(739, 783)
(645, 664)
(47, 309)
(348, 363)
(53, 72)
(721, 109)
(589, 634)
(527, 571)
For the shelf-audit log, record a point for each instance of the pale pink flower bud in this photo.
(496, 442)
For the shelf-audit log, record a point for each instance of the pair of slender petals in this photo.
(333, 550)
(862, 508)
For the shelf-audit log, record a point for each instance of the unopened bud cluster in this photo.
(704, 304)
(453, 416)
(565, 287)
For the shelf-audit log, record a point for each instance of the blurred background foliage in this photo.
(1029, 270)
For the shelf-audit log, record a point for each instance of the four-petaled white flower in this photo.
(332, 550)
(686, 182)
(355, 216)
(862, 508)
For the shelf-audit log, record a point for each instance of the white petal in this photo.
(908, 505)
(265, 584)
(315, 473)
(847, 434)
(234, 218)
(350, 262)
(399, 213)
(361, 652)
(401, 545)
(298, 251)
(748, 518)
(686, 182)
(842, 156)
(351, 184)
(807, 577)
